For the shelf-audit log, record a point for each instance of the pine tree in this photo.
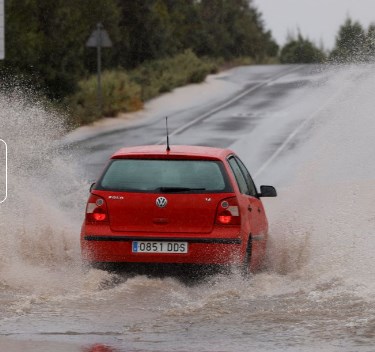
(370, 43)
(301, 50)
(350, 43)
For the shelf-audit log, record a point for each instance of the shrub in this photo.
(164, 75)
(126, 91)
(119, 94)
(299, 50)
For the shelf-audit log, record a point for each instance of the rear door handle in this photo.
(249, 208)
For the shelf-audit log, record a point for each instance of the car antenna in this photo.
(166, 125)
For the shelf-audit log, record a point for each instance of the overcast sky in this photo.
(319, 20)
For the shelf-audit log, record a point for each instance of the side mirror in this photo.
(267, 191)
(92, 186)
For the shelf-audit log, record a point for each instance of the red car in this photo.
(186, 205)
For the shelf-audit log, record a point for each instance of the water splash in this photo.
(39, 222)
(323, 223)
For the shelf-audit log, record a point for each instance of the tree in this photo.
(186, 23)
(301, 50)
(46, 40)
(350, 43)
(147, 32)
(370, 43)
(233, 28)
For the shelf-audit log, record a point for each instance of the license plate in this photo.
(159, 247)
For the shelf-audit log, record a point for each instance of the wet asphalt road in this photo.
(267, 91)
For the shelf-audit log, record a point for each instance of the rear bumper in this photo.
(223, 246)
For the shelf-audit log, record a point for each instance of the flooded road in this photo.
(309, 132)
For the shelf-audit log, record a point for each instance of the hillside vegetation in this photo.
(354, 44)
(157, 45)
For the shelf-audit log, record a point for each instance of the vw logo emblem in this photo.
(161, 202)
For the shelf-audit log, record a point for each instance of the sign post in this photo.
(99, 39)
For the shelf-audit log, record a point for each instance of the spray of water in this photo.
(39, 225)
(323, 224)
(319, 279)
(320, 261)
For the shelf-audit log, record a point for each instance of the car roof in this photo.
(176, 152)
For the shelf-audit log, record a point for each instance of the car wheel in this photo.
(246, 264)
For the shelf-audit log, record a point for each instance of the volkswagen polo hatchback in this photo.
(186, 205)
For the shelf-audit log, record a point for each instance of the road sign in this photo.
(2, 31)
(99, 38)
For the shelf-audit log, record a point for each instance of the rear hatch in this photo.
(170, 196)
(189, 213)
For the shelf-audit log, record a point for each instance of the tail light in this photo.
(228, 212)
(96, 210)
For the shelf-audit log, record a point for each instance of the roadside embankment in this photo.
(127, 90)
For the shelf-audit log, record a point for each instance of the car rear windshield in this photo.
(139, 175)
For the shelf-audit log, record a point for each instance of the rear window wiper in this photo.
(178, 189)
